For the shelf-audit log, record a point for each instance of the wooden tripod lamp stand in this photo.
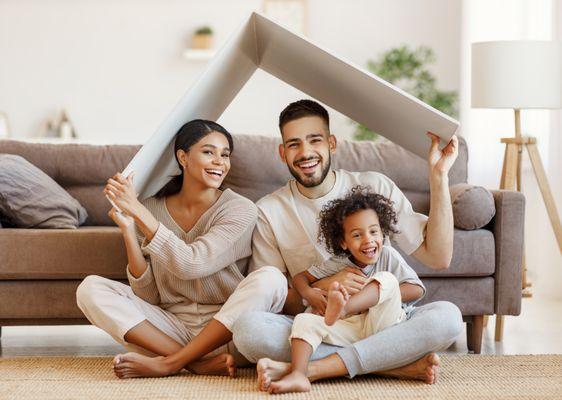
(520, 75)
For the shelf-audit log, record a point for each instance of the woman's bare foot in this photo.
(337, 299)
(133, 365)
(293, 382)
(270, 371)
(425, 369)
(223, 364)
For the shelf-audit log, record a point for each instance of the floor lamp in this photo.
(519, 75)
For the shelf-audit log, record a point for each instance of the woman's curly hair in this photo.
(336, 211)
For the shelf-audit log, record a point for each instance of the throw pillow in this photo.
(29, 198)
(473, 206)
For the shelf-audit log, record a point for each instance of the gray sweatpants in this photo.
(428, 328)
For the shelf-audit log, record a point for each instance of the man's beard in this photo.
(312, 182)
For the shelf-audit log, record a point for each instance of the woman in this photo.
(185, 258)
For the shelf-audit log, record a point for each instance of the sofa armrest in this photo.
(508, 228)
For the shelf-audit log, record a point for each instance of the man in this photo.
(286, 237)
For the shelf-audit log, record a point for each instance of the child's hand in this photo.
(352, 279)
(318, 300)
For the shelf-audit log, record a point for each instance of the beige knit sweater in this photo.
(201, 266)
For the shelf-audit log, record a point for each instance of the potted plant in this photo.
(202, 38)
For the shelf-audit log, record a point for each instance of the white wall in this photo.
(117, 67)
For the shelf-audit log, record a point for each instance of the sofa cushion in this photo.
(28, 254)
(60, 254)
(473, 206)
(474, 296)
(406, 169)
(71, 164)
(474, 255)
(93, 199)
(256, 167)
(33, 302)
(31, 199)
(419, 201)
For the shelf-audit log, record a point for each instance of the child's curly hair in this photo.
(336, 211)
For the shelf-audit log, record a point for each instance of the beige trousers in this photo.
(113, 307)
(387, 312)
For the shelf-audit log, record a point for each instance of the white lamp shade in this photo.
(517, 74)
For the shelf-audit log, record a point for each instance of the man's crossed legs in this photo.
(406, 350)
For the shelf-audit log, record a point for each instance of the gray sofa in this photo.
(40, 269)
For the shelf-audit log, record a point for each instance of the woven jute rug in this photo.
(462, 377)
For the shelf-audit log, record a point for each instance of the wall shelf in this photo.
(199, 54)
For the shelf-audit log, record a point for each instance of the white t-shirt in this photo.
(287, 229)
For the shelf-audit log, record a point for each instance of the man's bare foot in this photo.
(425, 369)
(133, 365)
(293, 382)
(223, 364)
(337, 299)
(270, 371)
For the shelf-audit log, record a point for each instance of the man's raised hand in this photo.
(441, 161)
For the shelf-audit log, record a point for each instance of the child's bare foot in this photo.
(133, 365)
(425, 369)
(293, 382)
(337, 299)
(223, 364)
(270, 371)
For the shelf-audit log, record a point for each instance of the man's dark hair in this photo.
(303, 108)
(336, 211)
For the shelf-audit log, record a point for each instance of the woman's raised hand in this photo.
(124, 222)
(123, 194)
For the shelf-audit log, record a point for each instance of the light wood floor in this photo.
(538, 330)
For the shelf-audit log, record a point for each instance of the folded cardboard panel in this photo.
(262, 43)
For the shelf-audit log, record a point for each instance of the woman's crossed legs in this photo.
(148, 329)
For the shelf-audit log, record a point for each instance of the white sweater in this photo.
(203, 265)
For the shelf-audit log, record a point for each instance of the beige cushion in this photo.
(31, 199)
(473, 206)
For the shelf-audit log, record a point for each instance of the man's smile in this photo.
(307, 166)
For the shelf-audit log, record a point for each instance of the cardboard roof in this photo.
(262, 43)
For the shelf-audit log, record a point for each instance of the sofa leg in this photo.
(499, 328)
(474, 333)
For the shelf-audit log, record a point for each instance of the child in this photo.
(353, 230)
